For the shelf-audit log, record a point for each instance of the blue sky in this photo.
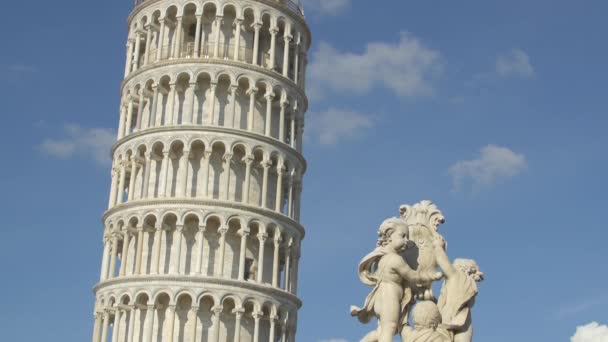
(497, 111)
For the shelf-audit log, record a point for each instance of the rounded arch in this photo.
(190, 215)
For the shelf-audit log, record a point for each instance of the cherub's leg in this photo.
(387, 331)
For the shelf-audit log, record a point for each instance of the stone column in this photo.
(284, 105)
(162, 191)
(276, 260)
(256, 328)
(256, 43)
(233, 100)
(121, 123)
(156, 250)
(159, 109)
(149, 323)
(183, 171)
(217, 311)
(112, 273)
(226, 186)
(131, 192)
(140, 250)
(287, 276)
(292, 129)
(113, 187)
(146, 181)
(131, 332)
(288, 39)
(283, 333)
(116, 325)
(124, 253)
(140, 111)
(290, 196)
(266, 164)
(262, 237)
(197, 36)
(238, 312)
(206, 162)
(218, 29)
(251, 92)
(161, 39)
(104, 261)
(129, 122)
(170, 105)
(279, 196)
(223, 231)
(268, 124)
(296, 64)
(178, 38)
(148, 44)
(243, 251)
(171, 317)
(192, 114)
(201, 244)
(106, 324)
(154, 107)
(248, 161)
(237, 36)
(178, 237)
(188, 104)
(273, 329)
(130, 47)
(136, 55)
(273, 46)
(212, 89)
(193, 317)
(97, 327)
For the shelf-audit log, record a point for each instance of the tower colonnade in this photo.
(260, 33)
(202, 236)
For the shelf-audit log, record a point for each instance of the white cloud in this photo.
(334, 125)
(328, 7)
(592, 332)
(514, 63)
(93, 143)
(407, 68)
(495, 164)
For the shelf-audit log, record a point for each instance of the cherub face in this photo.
(398, 240)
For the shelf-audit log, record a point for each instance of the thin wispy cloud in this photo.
(326, 7)
(592, 332)
(336, 125)
(407, 68)
(514, 63)
(582, 306)
(78, 141)
(495, 164)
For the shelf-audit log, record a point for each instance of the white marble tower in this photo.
(202, 236)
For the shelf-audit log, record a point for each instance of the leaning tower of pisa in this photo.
(202, 235)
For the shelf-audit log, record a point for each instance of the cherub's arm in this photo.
(442, 258)
(407, 273)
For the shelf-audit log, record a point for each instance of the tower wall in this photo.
(202, 236)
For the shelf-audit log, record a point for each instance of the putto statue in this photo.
(409, 253)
